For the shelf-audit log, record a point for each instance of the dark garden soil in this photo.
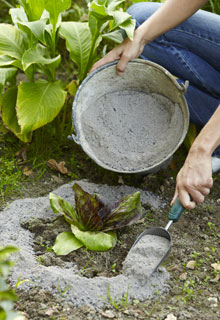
(194, 288)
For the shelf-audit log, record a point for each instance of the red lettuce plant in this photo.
(93, 220)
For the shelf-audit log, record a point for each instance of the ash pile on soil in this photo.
(128, 130)
(79, 290)
(144, 257)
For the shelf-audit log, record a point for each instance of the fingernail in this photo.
(119, 73)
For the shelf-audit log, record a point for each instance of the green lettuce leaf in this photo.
(95, 241)
(65, 243)
(59, 205)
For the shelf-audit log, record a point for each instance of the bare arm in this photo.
(195, 177)
(169, 15)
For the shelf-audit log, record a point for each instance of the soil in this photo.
(194, 288)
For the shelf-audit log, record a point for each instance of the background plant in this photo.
(7, 296)
(105, 21)
(30, 46)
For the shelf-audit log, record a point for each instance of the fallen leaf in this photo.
(22, 154)
(172, 165)
(120, 180)
(27, 172)
(60, 167)
(216, 266)
(191, 264)
(183, 276)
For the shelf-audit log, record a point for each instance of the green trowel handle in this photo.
(176, 211)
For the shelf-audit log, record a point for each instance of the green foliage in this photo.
(7, 296)
(212, 6)
(30, 46)
(120, 304)
(93, 220)
(10, 177)
(83, 38)
(191, 135)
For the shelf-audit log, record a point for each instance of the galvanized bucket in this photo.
(132, 123)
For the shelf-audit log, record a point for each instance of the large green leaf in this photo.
(95, 241)
(9, 61)
(119, 18)
(38, 103)
(37, 28)
(9, 116)
(11, 41)
(129, 27)
(78, 42)
(6, 74)
(65, 243)
(55, 8)
(115, 36)
(34, 8)
(18, 15)
(36, 55)
(112, 4)
(59, 205)
(6, 61)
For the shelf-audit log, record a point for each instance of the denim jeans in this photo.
(190, 51)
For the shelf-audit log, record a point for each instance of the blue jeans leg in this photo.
(191, 52)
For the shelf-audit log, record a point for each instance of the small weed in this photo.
(62, 292)
(211, 226)
(19, 283)
(118, 304)
(113, 267)
(195, 254)
(150, 216)
(86, 265)
(188, 290)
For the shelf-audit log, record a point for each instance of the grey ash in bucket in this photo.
(131, 130)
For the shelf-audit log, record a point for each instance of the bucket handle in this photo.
(183, 86)
(74, 138)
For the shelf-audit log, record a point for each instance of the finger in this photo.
(205, 191)
(121, 66)
(209, 183)
(196, 195)
(113, 55)
(185, 199)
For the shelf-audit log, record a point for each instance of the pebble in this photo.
(108, 314)
(171, 316)
(213, 302)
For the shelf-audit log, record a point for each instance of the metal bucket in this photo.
(132, 123)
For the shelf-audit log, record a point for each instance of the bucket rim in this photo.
(182, 88)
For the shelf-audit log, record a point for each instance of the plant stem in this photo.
(90, 54)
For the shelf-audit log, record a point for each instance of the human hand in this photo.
(193, 180)
(124, 52)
